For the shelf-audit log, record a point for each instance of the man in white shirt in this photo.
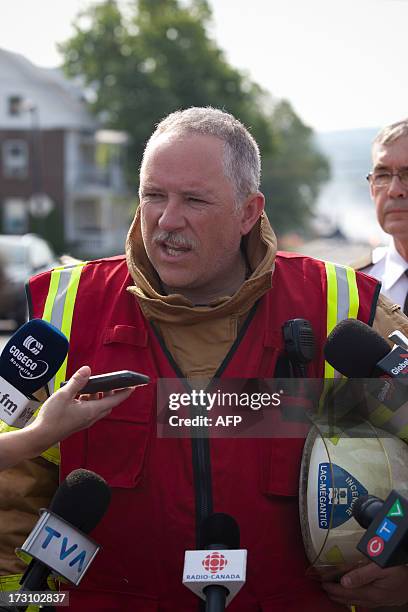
(389, 190)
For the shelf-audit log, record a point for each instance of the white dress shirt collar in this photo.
(395, 265)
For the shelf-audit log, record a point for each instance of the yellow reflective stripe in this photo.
(67, 318)
(403, 433)
(336, 274)
(25, 557)
(10, 582)
(52, 292)
(335, 311)
(354, 300)
(331, 309)
(52, 455)
(331, 296)
(4, 427)
(380, 415)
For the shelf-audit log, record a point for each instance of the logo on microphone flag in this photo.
(62, 547)
(15, 408)
(215, 562)
(33, 345)
(203, 568)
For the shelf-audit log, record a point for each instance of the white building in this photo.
(60, 175)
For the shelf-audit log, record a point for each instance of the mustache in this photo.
(393, 207)
(175, 239)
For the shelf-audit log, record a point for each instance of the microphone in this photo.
(29, 360)
(57, 542)
(399, 338)
(216, 576)
(357, 351)
(386, 522)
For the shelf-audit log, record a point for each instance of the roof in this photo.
(60, 102)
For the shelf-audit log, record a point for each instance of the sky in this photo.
(342, 64)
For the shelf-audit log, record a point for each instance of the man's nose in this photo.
(396, 188)
(172, 216)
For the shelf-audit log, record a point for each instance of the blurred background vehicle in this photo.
(20, 258)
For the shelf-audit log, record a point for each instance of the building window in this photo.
(15, 216)
(14, 105)
(15, 159)
(87, 215)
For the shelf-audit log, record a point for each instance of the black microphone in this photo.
(366, 508)
(29, 360)
(357, 351)
(386, 522)
(57, 543)
(218, 532)
(216, 572)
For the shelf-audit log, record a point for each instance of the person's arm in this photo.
(388, 318)
(371, 586)
(60, 416)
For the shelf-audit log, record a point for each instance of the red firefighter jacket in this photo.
(162, 488)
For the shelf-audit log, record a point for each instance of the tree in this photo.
(292, 177)
(158, 57)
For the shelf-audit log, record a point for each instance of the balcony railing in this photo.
(111, 176)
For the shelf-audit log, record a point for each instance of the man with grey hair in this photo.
(207, 261)
(389, 191)
(201, 294)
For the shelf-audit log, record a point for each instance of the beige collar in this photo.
(260, 248)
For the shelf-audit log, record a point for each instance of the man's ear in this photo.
(251, 210)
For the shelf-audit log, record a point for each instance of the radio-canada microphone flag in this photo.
(30, 359)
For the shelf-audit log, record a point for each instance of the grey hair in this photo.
(392, 132)
(242, 160)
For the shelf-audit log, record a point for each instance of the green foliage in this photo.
(158, 57)
(292, 177)
(50, 228)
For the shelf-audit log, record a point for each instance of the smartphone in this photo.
(113, 380)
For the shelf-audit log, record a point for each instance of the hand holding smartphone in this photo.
(113, 380)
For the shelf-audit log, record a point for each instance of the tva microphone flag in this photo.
(29, 360)
(58, 541)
